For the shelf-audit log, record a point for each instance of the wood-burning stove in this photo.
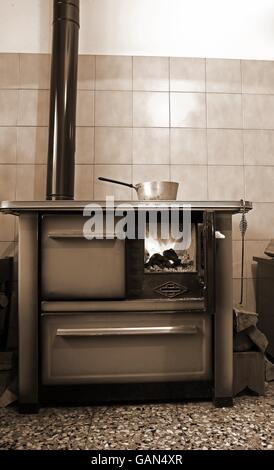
(95, 325)
(107, 339)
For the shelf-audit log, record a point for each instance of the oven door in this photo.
(73, 267)
(113, 347)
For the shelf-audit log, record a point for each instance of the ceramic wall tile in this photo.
(192, 181)
(187, 74)
(85, 108)
(113, 108)
(113, 73)
(86, 72)
(151, 73)
(258, 76)
(150, 109)
(142, 173)
(188, 110)
(8, 107)
(84, 182)
(113, 145)
(31, 182)
(33, 108)
(8, 182)
(225, 183)
(8, 143)
(259, 183)
(260, 222)
(150, 146)
(84, 145)
(32, 145)
(224, 110)
(9, 71)
(35, 71)
(225, 147)
(188, 146)
(223, 76)
(258, 147)
(258, 111)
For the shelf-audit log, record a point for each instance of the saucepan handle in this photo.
(101, 178)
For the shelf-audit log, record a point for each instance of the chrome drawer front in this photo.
(112, 347)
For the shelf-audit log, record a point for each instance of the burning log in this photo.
(169, 260)
(159, 260)
(172, 256)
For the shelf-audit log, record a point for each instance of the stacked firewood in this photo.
(251, 366)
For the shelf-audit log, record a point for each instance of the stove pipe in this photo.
(63, 91)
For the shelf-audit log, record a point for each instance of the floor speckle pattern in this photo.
(248, 425)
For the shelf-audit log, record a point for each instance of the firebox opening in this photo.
(166, 255)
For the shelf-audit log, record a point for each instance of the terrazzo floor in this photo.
(248, 425)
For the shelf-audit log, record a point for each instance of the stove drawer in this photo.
(73, 267)
(125, 347)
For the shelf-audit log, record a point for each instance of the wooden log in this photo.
(258, 338)
(249, 372)
(242, 342)
(243, 319)
(269, 370)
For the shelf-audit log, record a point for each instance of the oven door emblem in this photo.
(171, 289)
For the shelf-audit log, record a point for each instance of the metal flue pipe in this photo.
(63, 92)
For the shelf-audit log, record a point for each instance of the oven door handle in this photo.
(120, 331)
(79, 234)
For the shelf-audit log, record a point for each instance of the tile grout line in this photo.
(193, 92)
(132, 128)
(243, 129)
(169, 111)
(94, 115)
(206, 119)
(263, 129)
(17, 125)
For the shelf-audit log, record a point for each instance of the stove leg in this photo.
(223, 321)
(28, 312)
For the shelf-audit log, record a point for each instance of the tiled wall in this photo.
(208, 124)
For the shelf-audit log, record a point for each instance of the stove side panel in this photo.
(223, 325)
(28, 312)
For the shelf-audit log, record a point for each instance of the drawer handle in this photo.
(147, 330)
(77, 234)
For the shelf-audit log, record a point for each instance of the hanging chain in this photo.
(243, 229)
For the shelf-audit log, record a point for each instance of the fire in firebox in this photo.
(162, 256)
(169, 261)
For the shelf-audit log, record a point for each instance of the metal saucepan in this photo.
(151, 190)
